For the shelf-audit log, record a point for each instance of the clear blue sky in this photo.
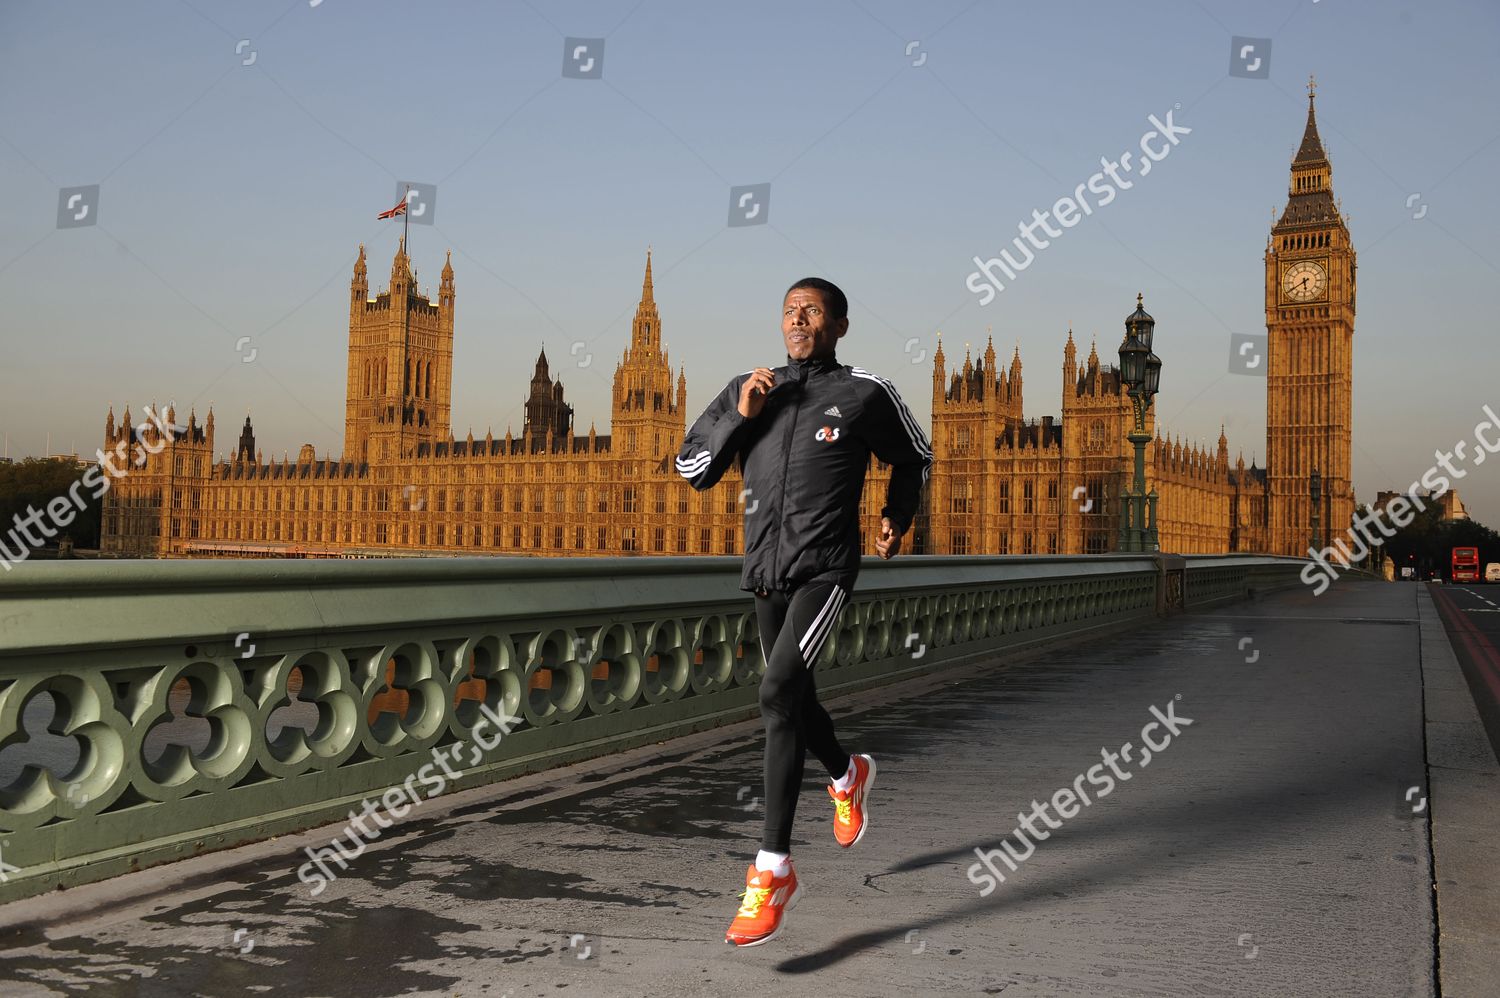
(233, 197)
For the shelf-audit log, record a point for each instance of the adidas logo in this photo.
(833, 410)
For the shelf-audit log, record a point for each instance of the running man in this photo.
(802, 435)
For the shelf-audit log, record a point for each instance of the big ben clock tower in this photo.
(1310, 343)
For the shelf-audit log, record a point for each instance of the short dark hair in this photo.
(833, 299)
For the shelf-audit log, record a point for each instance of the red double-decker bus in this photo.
(1465, 565)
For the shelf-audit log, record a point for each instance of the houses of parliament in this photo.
(1000, 483)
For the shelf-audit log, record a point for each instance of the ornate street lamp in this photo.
(1153, 375)
(1140, 372)
(1148, 390)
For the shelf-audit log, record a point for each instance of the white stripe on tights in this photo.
(822, 625)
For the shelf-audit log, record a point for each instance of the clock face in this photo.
(1304, 281)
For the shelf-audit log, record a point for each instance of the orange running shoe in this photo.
(767, 899)
(851, 814)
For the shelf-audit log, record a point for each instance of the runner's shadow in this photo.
(1217, 823)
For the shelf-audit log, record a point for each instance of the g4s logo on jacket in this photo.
(828, 433)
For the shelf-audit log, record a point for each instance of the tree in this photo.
(1427, 543)
(33, 483)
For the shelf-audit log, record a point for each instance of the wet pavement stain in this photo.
(484, 881)
(678, 805)
(298, 949)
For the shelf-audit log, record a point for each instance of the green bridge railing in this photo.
(152, 710)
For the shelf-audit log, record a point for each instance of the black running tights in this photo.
(793, 630)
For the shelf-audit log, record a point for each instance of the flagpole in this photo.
(405, 323)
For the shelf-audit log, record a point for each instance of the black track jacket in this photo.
(803, 459)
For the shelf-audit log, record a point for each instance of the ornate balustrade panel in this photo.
(152, 710)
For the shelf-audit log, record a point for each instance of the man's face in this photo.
(806, 326)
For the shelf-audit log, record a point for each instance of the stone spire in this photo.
(939, 371)
(1311, 150)
(445, 286)
(645, 330)
(1070, 363)
(246, 451)
(1310, 199)
(401, 266)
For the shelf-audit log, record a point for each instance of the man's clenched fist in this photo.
(888, 544)
(753, 392)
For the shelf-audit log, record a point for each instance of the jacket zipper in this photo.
(785, 462)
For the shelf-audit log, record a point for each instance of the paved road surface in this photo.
(1471, 615)
(1269, 849)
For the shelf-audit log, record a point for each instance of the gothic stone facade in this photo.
(405, 485)
(1001, 484)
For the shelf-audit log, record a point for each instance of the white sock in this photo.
(847, 780)
(776, 862)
